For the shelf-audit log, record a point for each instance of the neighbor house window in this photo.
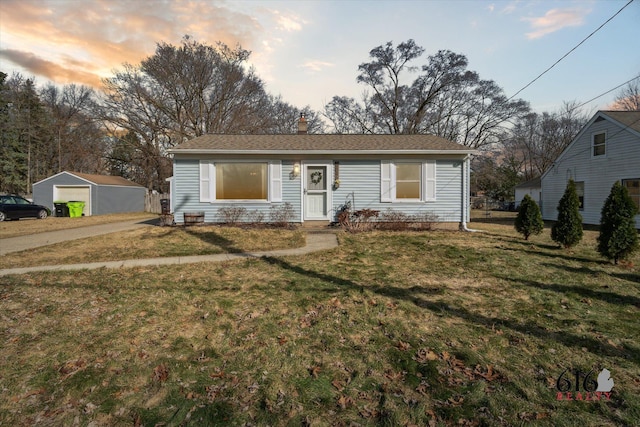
(599, 144)
(633, 186)
(406, 181)
(580, 191)
(229, 181)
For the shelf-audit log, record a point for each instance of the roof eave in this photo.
(289, 152)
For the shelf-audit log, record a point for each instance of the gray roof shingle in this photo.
(319, 143)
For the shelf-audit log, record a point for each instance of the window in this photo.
(241, 181)
(599, 144)
(408, 181)
(580, 191)
(633, 186)
(231, 181)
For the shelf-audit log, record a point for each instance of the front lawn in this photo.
(435, 328)
(153, 242)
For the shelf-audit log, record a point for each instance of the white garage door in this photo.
(75, 194)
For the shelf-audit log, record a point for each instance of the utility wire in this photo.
(567, 54)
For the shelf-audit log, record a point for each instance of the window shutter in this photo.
(385, 181)
(206, 181)
(275, 181)
(429, 179)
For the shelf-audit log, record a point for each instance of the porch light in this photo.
(296, 169)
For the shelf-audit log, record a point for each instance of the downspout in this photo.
(466, 172)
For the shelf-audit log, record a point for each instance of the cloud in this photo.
(46, 37)
(51, 70)
(316, 66)
(555, 20)
(290, 23)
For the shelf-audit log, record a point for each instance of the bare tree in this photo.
(628, 99)
(538, 139)
(444, 99)
(77, 139)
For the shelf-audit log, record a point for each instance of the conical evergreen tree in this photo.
(529, 219)
(618, 237)
(567, 230)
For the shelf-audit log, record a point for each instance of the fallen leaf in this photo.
(403, 346)
(314, 371)
(160, 373)
(217, 374)
(424, 355)
(344, 401)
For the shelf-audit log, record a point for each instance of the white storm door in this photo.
(316, 192)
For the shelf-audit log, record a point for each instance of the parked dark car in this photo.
(16, 207)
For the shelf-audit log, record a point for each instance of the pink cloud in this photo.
(555, 20)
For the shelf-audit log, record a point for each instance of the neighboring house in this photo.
(319, 174)
(101, 194)
(606, 150)
(532, 188)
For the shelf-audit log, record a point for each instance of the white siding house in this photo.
(532, 188)
(319, 174)
(606, 150)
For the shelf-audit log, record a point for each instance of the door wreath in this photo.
(316, 177)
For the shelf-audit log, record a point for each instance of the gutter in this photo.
(301, 152)
(466, 165)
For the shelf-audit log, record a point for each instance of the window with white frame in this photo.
(236, 181)
(408, 181)
(633, 186)
(599, 144)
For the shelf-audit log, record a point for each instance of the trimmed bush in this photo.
(567, 230)
(529, 219)
(618, 237)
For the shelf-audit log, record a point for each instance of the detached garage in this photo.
(101, 194)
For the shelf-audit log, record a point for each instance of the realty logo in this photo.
(591, 390)
(605, 383)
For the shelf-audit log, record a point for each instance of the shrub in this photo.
(282, 215)
(231, 215)
(424, 221)
(567, 230)
(255, 217)
(393, 220)
(618, 237)
(529, 219)
(362, 220)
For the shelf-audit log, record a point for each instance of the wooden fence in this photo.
(152, 202)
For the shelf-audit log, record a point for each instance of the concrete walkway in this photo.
(22, 243)
(315, 242)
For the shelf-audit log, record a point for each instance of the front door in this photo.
(316, 194)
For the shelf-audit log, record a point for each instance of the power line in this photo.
(567, 54)
(604, 93)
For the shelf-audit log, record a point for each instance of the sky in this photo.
(308, 51)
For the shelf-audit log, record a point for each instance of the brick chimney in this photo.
(302, 125)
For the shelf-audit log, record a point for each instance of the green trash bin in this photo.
(75, 208)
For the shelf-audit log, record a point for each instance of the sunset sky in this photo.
(309, 51)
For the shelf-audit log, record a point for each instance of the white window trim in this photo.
(207, 182)
(592, 146)
(388, 181)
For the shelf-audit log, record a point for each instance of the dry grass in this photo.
(152, 242)
(402, 328)
(28, 226)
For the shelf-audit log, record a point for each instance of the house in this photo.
(318, 174)
(532, 188)
(606, 150)
(101, 194)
